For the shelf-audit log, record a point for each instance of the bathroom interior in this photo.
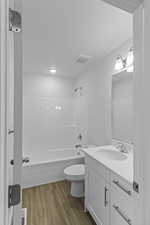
(77, 113)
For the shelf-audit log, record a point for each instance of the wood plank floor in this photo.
(51, 204)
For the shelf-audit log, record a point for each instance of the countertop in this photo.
(123, 168)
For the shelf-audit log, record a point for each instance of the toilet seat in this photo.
(75, 172)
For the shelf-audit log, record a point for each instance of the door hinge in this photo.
(136, 187)
(14, 195)
(15, 21)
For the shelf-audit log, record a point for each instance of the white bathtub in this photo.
(49, 166)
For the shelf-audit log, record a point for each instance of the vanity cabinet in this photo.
(97, 197)
(108, 197)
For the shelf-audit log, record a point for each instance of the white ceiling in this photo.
(56, 32)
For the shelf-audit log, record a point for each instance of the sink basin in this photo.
(111, 154)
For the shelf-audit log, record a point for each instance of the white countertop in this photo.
(123, 168)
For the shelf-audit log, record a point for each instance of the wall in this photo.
(47, 113)
(96, 82)
(122, 106)
(46, 127)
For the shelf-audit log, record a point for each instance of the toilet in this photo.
(75, 174)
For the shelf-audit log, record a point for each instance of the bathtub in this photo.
(48, 167)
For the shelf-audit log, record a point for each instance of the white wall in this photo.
(96, 82)
(122, 106)
(44, 126)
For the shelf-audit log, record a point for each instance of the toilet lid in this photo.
(75, 172)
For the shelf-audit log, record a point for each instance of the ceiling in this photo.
(56, 32)
(128, 5)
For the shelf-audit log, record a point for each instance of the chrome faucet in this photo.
(122, 148)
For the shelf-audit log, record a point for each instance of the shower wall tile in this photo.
(48, 116)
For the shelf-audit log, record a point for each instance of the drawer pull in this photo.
(122, 187)
(105, 198)
(119, 211)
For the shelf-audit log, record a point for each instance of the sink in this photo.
(111, 154)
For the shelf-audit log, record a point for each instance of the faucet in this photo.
(79, 145)
(122, 148)
(78, 148)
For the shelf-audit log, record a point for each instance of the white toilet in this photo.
(75, 174)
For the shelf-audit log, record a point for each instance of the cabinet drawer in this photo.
(121, 201)
(121, 185)
(118, 217)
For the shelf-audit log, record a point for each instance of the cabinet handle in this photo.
(119, 211)
(105, 198)
(122, 187)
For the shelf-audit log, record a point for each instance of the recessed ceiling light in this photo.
(52, 70)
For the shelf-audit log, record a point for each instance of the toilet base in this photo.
(77, 189)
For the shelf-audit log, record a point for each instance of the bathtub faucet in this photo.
(78, 148)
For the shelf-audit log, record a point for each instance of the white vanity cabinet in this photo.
(97, 188)
(108, 197)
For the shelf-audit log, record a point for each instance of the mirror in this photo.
(122, 106)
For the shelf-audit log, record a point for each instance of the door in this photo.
(98, 197)
(15, 84)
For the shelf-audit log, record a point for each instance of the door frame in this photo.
(10, 82)
(4, 6)
(4, 9)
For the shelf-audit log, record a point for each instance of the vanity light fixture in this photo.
(119, 63)
(125, 63)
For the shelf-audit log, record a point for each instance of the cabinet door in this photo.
(98, 197)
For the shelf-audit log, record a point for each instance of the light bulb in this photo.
(130, 57)
(130, 69)
(119, 63)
